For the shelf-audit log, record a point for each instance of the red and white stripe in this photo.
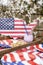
(39, 47)
(6, 42)
(19, 28)
(15, 57)
(25, 57)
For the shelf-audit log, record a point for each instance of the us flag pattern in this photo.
(15, 27)
(6, 23)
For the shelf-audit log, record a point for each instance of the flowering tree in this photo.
(21, 9)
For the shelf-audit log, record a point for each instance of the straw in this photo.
(25, 28)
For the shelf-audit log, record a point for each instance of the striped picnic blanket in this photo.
(25, 56)
(31, 55)
(6, 43)
(10, 41)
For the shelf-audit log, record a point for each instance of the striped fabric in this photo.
(21, 63)
(6, 43)
(39, 47)
(25, 56)
(15, 27)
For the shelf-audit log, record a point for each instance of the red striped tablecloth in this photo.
(25, 56)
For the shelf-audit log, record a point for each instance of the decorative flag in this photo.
(15, 27)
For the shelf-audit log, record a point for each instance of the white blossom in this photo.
(40, 2)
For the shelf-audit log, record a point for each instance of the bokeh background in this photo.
(25, 9)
